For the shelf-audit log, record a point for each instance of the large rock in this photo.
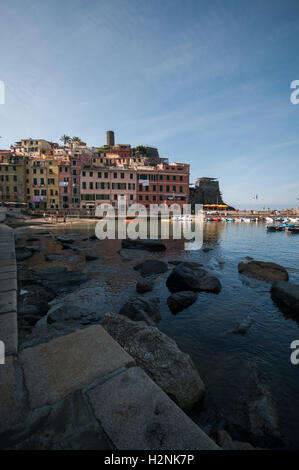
(225, 441)
(256, 416)
(263, 271)
(147, 244)
(186, 277)
(263, 418)
(144, 285)
(68, 312)
(286, 294)
(142, 309)
(181, 300)
(151, 266)
(82, 306)
(160, 357)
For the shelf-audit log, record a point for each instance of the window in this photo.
(174, 188)
(140, 187)
(83, 173)
(83, 185)
(181, 189)
(181, 178)
(174, 178)
(131, 176)
(106, 175)
(74, 172)
(91, 185)
(91, 174)
(122, 175)
(161, 189)
(154, 187)
(114, 175)
(99, 174)
(140, 198)
(167, 189)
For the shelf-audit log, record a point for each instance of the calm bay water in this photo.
(205, 330)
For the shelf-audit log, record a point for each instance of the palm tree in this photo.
(65, 139)
(76, 139)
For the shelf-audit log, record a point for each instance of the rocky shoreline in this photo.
(56, 301)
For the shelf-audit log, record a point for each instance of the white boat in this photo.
(269, 220)
(245, 219)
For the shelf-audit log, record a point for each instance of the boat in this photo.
(271, 228)
(245, 219)
(269, 220)
(293, 229)
(230, 220)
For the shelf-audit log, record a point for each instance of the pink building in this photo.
(100, 184)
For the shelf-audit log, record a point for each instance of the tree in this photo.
(65, 139)
(76, 139)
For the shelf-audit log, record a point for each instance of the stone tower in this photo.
(110, 138)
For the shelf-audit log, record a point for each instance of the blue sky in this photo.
(207, 82)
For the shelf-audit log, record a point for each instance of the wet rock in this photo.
(151, 266)
(35, 249)
(160, 357)
(142, 309)
(65, 239)
(225, 441)
(147, 244)
(71, 312)
(66, 246)
(144, 285)
(58, 279)
(186, 277)
(88, 301)
(175, 262)
(244, 326)
(35, 300)
(263, 417)
(91, 256)
(286, 294)
(249, 258)
(32, 239)
(263, 271)
(23, 253)
(181, 300)
(53, 257)
(256, 416)
(207, 249)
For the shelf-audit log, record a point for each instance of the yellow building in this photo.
(12, 178)
(42, 183)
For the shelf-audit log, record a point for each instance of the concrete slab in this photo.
(9, 410)
(137, 415)
(8, 275)
(8, 301)
(8, 269)
(9, 333)
(68, 363)
(8, 285)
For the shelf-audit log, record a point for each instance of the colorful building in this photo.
(163, 184)
(99, 184)
(12, 177)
